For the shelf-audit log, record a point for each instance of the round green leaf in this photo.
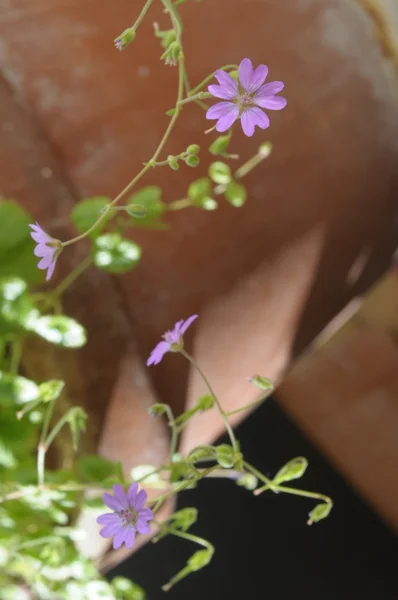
(86, 212)
(149, 198)
(61, 330)
(236, 194)
(16, 390)
(115, 254)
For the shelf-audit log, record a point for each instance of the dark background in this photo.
(264, 549)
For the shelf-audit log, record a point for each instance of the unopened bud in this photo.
(193, 149)
(173, 162)
(124, 39)
(192, 160)
(172, 54)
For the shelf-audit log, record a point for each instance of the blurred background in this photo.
(306, 252)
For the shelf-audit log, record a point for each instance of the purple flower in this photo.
(128, 516)
(173, 341)
(245, 99)
(47, 248)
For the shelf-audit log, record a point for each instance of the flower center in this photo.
(245, 100)
(128, 516)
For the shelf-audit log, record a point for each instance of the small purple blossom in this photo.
(47, 248)
(245, 100)
(128, 516)
(173, 341)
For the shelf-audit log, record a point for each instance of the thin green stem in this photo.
(246, 407)
(261, 477)
(223, 414)
(181, 487)
(210, 77)
(71, 278)
(55, 430)
(16, 354)
(149, 164)
(192, 538)
(37, 542)
(42, 449)
(263, 153)
(174, 432)
(142, 14)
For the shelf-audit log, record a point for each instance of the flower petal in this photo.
(251, 117)
(45, 262)
(227, 120)
(219, 110)
(119, 538)
(42, 250)
(157, 353)
(271, 102)
(142, 526)
(145, 513)
(221, 92)
(51, 269)
(131, 493)
(111, 529)
(140, 500)
(258, 78)
(270, 89)
(108, 518)
(245, 73)
(129, 537)
(175, 333)
(229, 84)
(120, 496)
(187, 323)
(111, 502)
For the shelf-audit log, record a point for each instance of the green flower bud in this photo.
(192, 160)
(124, 39)
(173, 162)
(193, 149)
(172, 54)
(220, 145)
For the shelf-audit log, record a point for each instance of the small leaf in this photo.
(201, 453)
(157, 410)
(127, 590)
(321, 511)
(51, 390)
(220, 145)
(294, 469)
(16, 245)
(115, 254)
(60, 330)
(16, 390)
(86, 212)
(147, 473)
(220, 173)
(236, 194)
(94, 468)
(17, 312)
(150, 198)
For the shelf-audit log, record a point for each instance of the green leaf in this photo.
(51, 390)
(294, 469)
(86, 212)
(7, 458)
(127, 590)
(77, 419)
(220, 173)
(114, 254)
(149, 198)
(201, 453)
(147, 473)
(16, 245)
(157, 410)
(199, 192)
(17, 313)
(321, 511)
(95, 468)
(16, 390)
(60, 330)
(236, 194)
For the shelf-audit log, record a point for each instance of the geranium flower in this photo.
(173, 341)
(245, 99)
(47, 248)
(128, 516)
